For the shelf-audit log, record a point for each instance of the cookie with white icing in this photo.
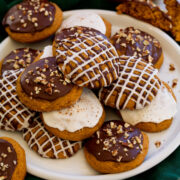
(85, 56)
(89, 19)
(13, 114)
(78, 121)
(158, 115)
(42, 87)
(134, 42)
(116, 147)
(46, 144)
(18, 59)
(135, 88)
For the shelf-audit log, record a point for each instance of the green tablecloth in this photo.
(169, 169)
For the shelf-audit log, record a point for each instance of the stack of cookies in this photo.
(50, 95)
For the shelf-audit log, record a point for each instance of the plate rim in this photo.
(37, 171)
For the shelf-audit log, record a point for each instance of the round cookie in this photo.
(31, 21)
(18, 59)
(78, 121)
(85, 56)
(12, 160)
(135, 88)
(14, 116)
(158, 115)
(89, 19)
(147, 11)
(134, 42)
(46, 144)
(42, 87)
(116, 147)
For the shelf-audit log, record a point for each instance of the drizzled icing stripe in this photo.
(97, 40)
(11, 108)
(37, 132)
(125, 76)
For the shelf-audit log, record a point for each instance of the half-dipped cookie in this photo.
(86, 57)
(158, 115)
(89, 19)
(18, 59)
(32, 20)
(46, 144)
(78, 121)
(134, 42)
(116, 147)
(12, 160)
(42, 87)
(136, 86)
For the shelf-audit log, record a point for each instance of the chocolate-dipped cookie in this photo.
(18, 59)
(116, 147)
(134, 42)
(14, 116)
(78, 121)
(42, 87)
(12, 160)
(136, 86)
(46, 144)
(31, 21)
(85, 56)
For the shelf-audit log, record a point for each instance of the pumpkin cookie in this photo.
(116, 147)
(18, 59)
(42, 87)
(13, 114)
(89, 19)
(12, 160)
(31, 21)
(136, 86)
(134, 42)
(147, 11)
(86, 57)
(78, 121)
(46, 144)
(158, 115)
(173, 7)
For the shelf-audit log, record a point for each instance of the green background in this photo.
(169, 169)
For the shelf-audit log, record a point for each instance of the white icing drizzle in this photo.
(62, 146)
(125, 77)
(9, 96)
(47, 52)
(163, 107)
(98, 41)
(86, 112)
(88, 19)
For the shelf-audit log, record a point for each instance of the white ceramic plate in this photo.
(76, 166)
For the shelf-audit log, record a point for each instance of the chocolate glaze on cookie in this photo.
(115, 141)
(43, 80)
(19, 59)
(8, 160)
(134, 42)
(30, 16)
